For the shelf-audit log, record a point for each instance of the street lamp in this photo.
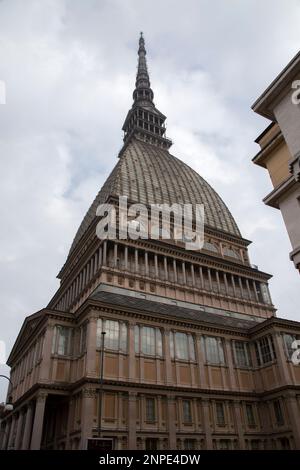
(7, 406)
(103, 333)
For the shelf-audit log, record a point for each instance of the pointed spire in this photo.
(142, 90)
(144, 121)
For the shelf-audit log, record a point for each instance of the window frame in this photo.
(122, 342)
(152, 417)
(208, 351)
(175, 346)
(139, 337)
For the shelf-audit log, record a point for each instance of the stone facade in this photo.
(280, 149)
(194, 356)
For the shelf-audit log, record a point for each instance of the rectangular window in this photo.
(187, 411)
(62, 339)
(213, 350)
(148, 341)
(150, 409)
(115, 337)
(220, 414)
(83, 331)
(224, 444)
(288, 340)
(250, 415)
(241, 354)
(265, 350)
(278, 413)
(189, 444)
(182, 346)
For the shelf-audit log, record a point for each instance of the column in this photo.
(294, 416)
(209, 279)
(255, 291)
(200, 361)
(136, 260)
(232, 378)
(183, 273)
(87, 415)
(3, 436)
(156, 266)
(241, 287)
(115, 255)
(46, 357)
(237, 406)
(175, 270)
(96, 262)
(19, 430)
(105, 253)
(193, 274)
(226, 283)
(132, 403)
(27, 427)
(281, 359)
(166, 268)
(248, 289)
(70, 421)
(201, 277)
(37, 430)
(218, 281)
(91, 346)
(146, 264)
(233, 285)
(11, 432)
(206, 423)
(168, 362)
(171, 417)
(131, 350)
(126, 258)
(100, 257)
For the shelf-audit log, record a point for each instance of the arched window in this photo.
(232, 253)
(209, 246)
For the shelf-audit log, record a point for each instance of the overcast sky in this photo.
(69, 68)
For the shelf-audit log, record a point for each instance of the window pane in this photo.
(241, 354)
(187, 411)
(220, 414)
(267, 353)
(123, 339)
(278, 413)
(148, 340)
(63, 340)
(150, 409)
(112, 334)
(181, 345)
(250, 414)
(137, 339)
(83, 338)
(99, 330)
(192, 348)
(158, 342)
(288, 341)
(172, 351)
(212, 354)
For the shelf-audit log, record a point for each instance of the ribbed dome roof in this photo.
(148, 174)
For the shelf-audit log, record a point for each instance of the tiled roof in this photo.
(148, 174)
(149, 306)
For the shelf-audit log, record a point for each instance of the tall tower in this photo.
(192, 342)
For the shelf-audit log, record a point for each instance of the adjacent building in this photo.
(280, 148)
(194, 355)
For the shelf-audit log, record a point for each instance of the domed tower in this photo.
(147, 344)
(219, 278)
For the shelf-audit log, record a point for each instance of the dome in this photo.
(149, 174)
